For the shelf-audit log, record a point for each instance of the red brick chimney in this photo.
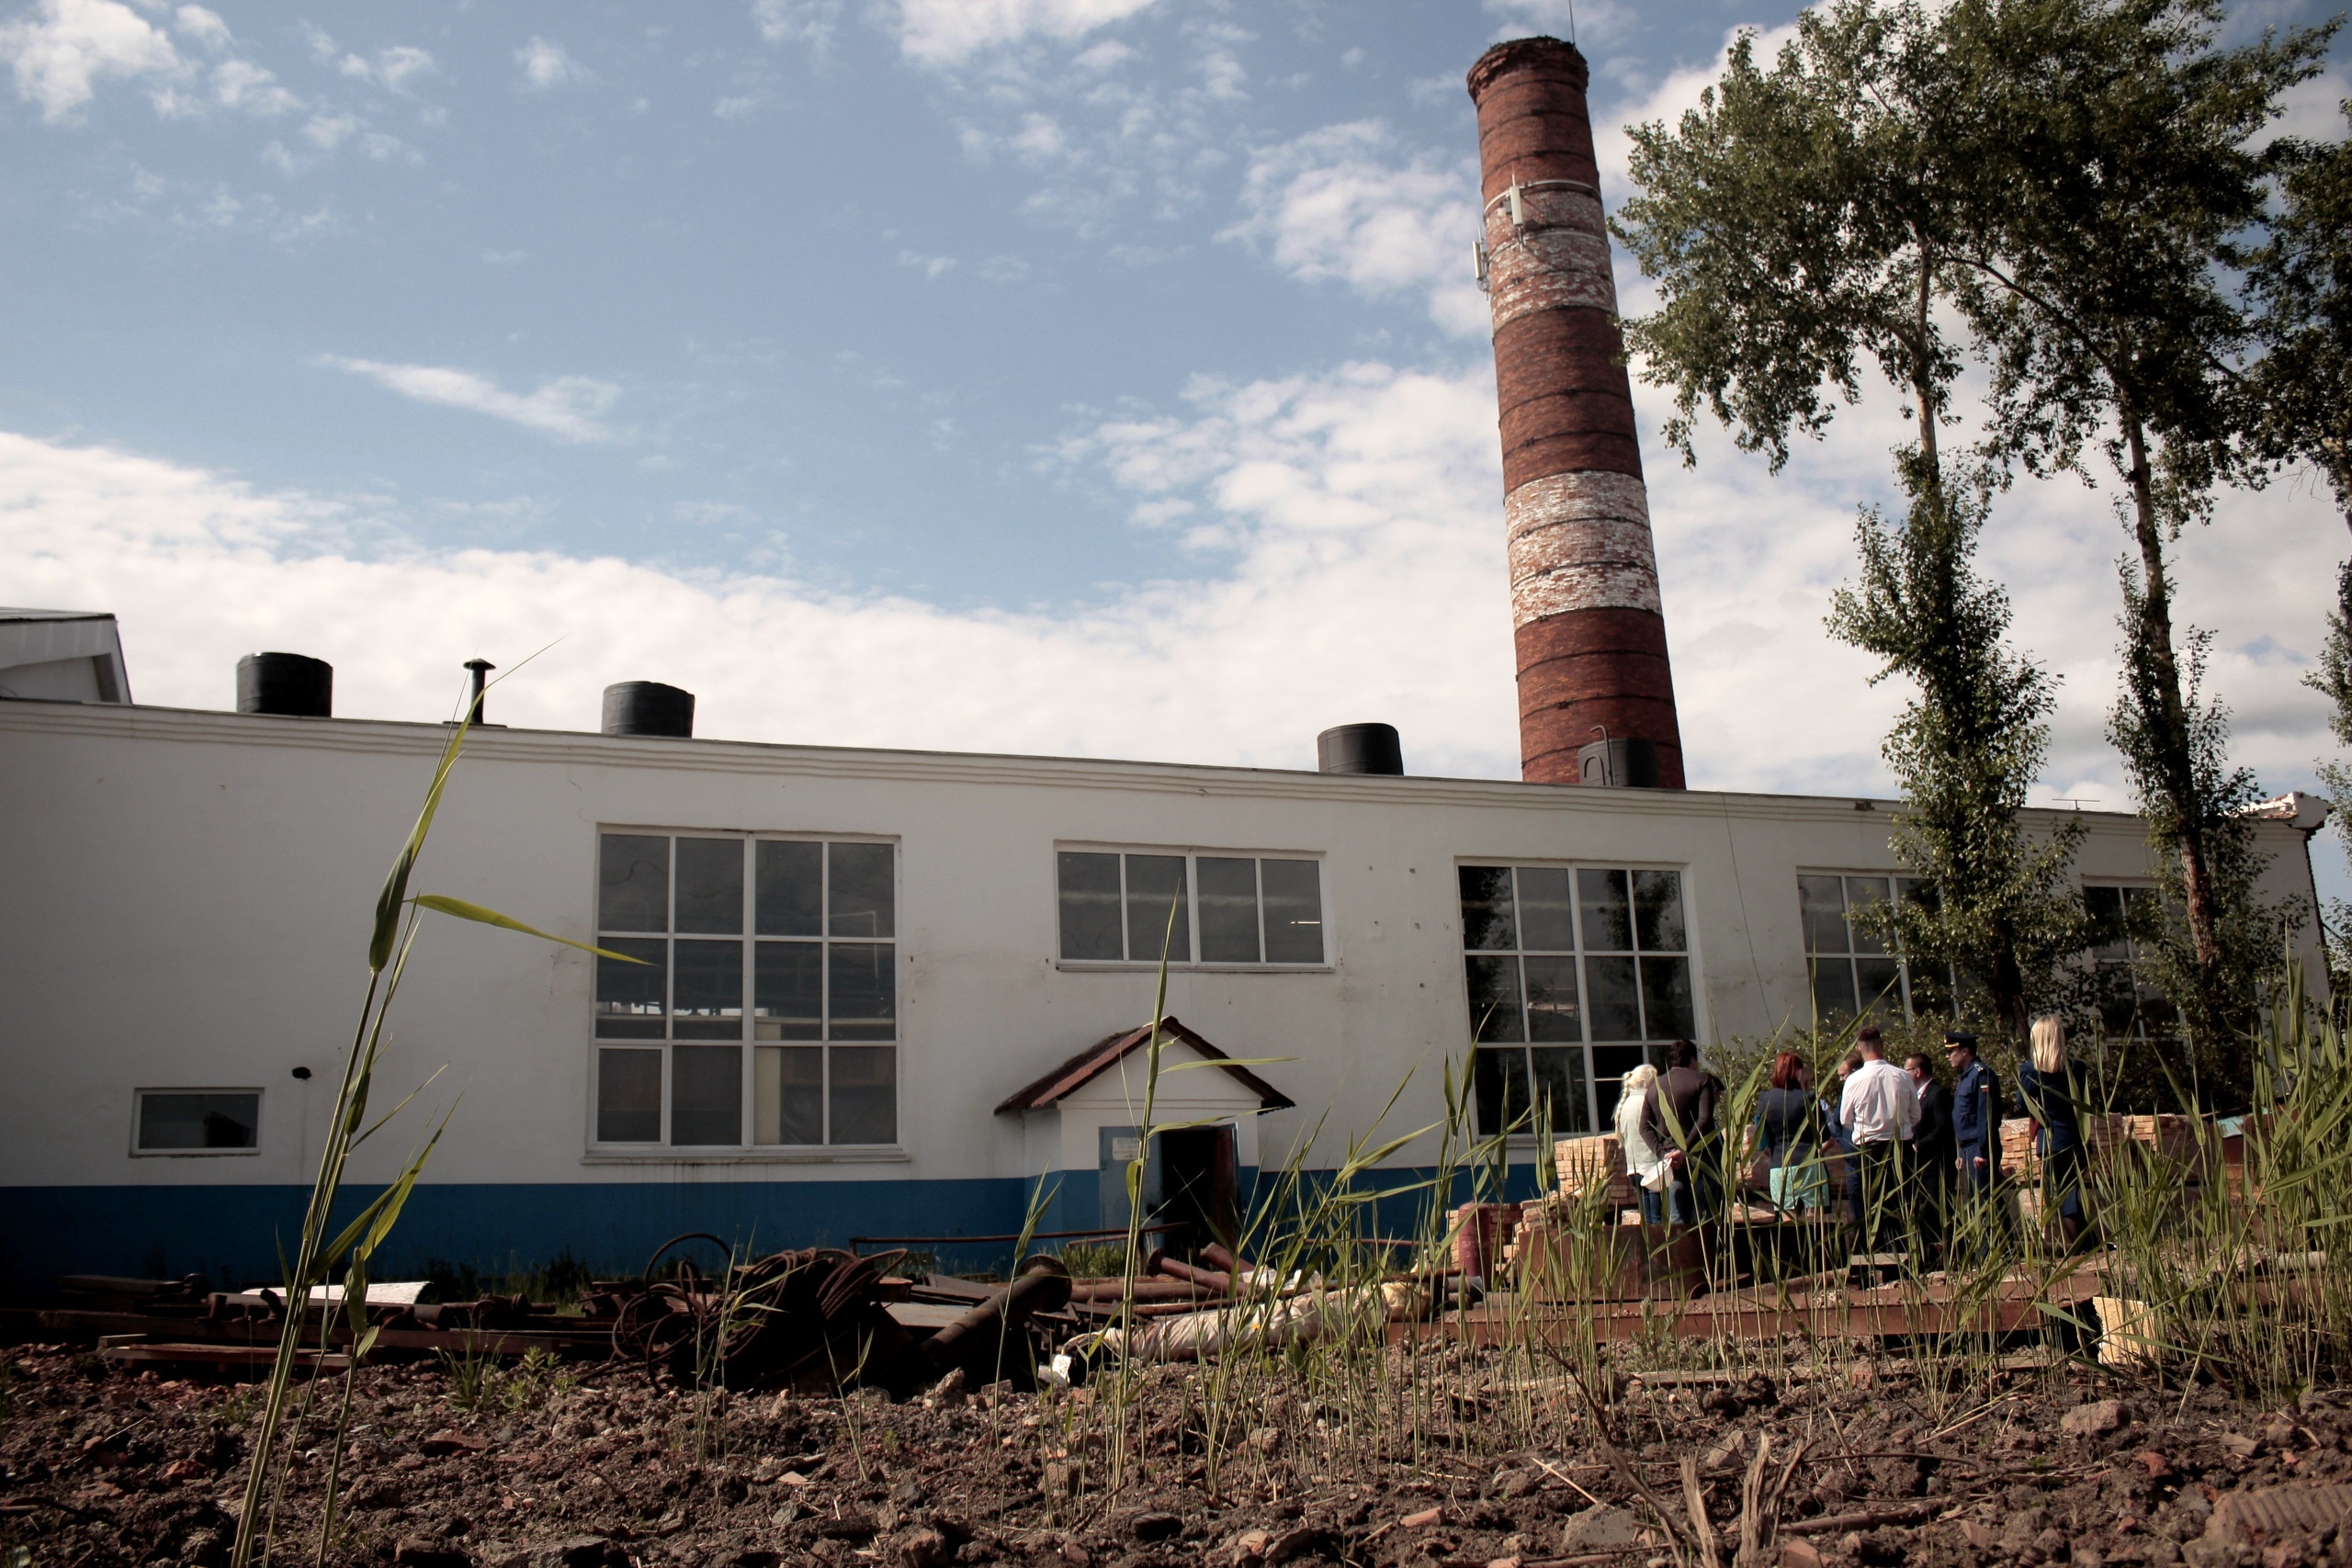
(1585, 612)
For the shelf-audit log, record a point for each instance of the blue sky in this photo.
(1100, 377)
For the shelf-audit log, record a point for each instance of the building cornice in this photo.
(496, 745)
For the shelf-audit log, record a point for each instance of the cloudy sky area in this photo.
(1097, 376)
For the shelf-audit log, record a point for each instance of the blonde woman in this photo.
(2046, 1085)
(1648, 1164)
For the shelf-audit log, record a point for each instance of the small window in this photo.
(219, 1120)
(1135, 907)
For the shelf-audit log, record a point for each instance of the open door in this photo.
(1199, 1180)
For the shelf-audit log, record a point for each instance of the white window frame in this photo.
(2143, 1035)
(1193, 855)
(138, 1101)
(664, 1152)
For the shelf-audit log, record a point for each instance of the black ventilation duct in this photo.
(1359, 749)
(292, 685)
(1628, 763)
(649, 707)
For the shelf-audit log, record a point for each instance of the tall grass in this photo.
(318, 1253)
(2237, 1274)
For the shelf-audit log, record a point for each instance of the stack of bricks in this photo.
(1586, 1163)
(2018, 1155)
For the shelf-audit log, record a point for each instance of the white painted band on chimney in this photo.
(1580, 541)
(1560, 258)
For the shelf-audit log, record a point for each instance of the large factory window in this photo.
(1128, 907)
(764, 1009)
(1855, 972)
(2130, 1006)
(197, 1122)
(1571, 971)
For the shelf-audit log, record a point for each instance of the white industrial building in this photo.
(872, 972)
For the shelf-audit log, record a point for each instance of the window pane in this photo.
(629, 1097)
(630, 996)
(863, 902)
(1608, 919)
(1498, 1075)
(1932, 990)
(791, 888)
(1863, 893)
(1229, 911)
(1658, 911)
(788, 992)
(1090, 888)
(866, 1095)
(1610, 996)
(1916, 890)
(1293, 911)
(1559, 1087)
(1547, 916)
(1881, 986)
(1610, 1066)
(2105, 907)
(866, 993)
(633, 883)
(788, 1094)
(1486, 923)
(707, 1002)
(1823, 907)
(1666, 998)
(1494, 999)
(1552, 1010)
(706, 1094)
(1155, 886)
(1832, 988)
(710, 885)
(199, 1121)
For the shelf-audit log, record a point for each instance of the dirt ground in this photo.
(106, 1469)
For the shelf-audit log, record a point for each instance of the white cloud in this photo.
(809, 22)
(327, 132)
(391, 68)
(932, 267)
(61, 49)
(1340, 204)
(569, 408)
(1356, 521)
(205, 27)
(1586, 23)
(242, 84)
(942, 32)
(547, 64)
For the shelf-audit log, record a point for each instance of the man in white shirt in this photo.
(1881, 1108)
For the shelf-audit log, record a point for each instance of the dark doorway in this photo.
(1199, 1180)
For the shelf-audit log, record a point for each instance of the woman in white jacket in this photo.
(1648, 1164)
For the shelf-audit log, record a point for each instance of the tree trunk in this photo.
(2175, 765)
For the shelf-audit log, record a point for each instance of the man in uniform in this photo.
(1975, 1120)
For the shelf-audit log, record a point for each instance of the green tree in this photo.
(1965, 749)
(1804, 216)
(2302, 279)
(2069, 177)
(2123, 140)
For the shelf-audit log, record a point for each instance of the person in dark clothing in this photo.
(1932, 1144)
(1841, 1140)
(2047, 1090)
(1788, 1128)
(1975, 1115)
(1681, 1116)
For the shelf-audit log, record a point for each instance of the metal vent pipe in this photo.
(292, 685)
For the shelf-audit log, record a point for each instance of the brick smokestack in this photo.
(1585, 611)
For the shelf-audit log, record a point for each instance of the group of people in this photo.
(1908, 1144)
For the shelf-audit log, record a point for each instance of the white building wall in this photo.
(188, 900)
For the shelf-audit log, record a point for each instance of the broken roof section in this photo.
(1092, 1061)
